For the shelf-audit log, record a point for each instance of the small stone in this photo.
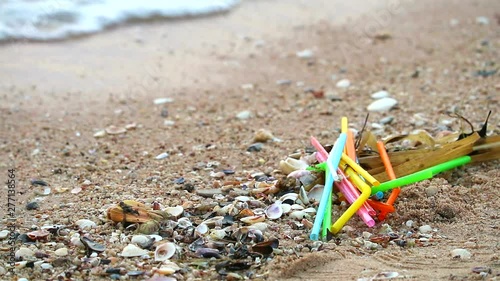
(409, 223)
(209, 192)
(383, 104)
(386, 120)
(243, 115)
(100, 134)
(62, 252)
(431, 191)
(461, 254)
(425, 229)
(482, 20)
(161, 156)
(263, 135)
(454, 22)
(284, 82)
(247, 86)
(255, 147)
(24, 253)
(32, 206)
(2, 271)
(4, 234)
(380, 95)
(305, 54)
(162, 100)
(344, 83)
(169, 123)
(46, 266)
(113, 130)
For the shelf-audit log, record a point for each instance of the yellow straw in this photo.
(362, 172)
(365, 193)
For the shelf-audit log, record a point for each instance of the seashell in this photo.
(263, 135)
(299, 173)
(208, 253)
(316, 192)
(164, 251)
(143, 241)
(215, 221)
(38, 234)
(113, 130)
(161, 156)
(246, 213)
(201, 229)
(253, 219)
(303, 196)
(243, 198)
(266, 248)
(46, 191)
(184, 223)
(84, 223)
(218, 234)
(24, 253)
(310, 210)
(4, 233)
(148, 227)
(298, 215)
(132, 250)
(290, 164)
(289, 196)
(307, 224)
(383, 104)
(380, 95)
(274, 211)
(344, 83)
(156, 237)
(76, 190)
(99, 134)
(286, 208)
(91, 245)
(61, 252)
(167, 268)
(175, 211)
(261, 226)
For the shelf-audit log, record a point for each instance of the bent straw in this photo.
(332, 161)
(422, 175)
(365, 193)
(390, 172)
(362, 172)
(351, 194)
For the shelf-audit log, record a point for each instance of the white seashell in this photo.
(201, 229)
(310, 210)
(113, 130)
(242, 198)
(20, 264)
(344, 83)
(215, 221)
(75, 240)
(76, 190)
(162, 100)
(164, 251)
(24, 253)
(296, 207)
(100, 134)
(289, 196)
(290, 164)
(286, 208)
(61, 252)
(380, 95)
(156, 237)
(298, 215)
(243, 115)
(383, 104)
(141, 240)
(184, 223)
(4, 233)
(218, 234)
(299, 173)
(132, 250)
(303, 196)
(305, 54)
(161, 156)
(46, 266)
(259, 212)
(274, 211)
(167, 268)
(316, 192)
(253, 219)
(84, 223)
(261, 226)
(174, 211)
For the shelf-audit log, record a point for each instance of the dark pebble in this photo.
(39, 182)
(164, 112)
(112, 270)
(115, 276)
(135, 273)
(228, 172)
(255, 147)
(32, 206)
(188, 187)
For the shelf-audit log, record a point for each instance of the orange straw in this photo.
(351, 149)
(390, 172)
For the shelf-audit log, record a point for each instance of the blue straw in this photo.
(333, 163)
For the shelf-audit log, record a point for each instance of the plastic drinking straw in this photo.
(362, 172)
(351, 149)
(332, 162)
(327, 220)
(381, 206)
(351, 193)
(321, 154)
(390, 172)
(422, 175)
(365, 193)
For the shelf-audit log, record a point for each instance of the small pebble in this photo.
(32, 206)
(100, 134)
(425, 229)
(305, 54)
(161, 156)
(62, 252)
(386, 120)
(482, 20)
(243, 115)
(409, 223)
(344, 83)
(284, 82)
(380, 95)
(4, 234)
(162, 100)
(255, 147)
(431, 191)
(383, 104)
(247, 87)
(461, 253)
(208, 193)
(2, 270)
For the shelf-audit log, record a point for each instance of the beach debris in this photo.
(244, 115)
(462, 254)
(263, 135)
(164, 251)
(161, 156)
(114, 130)
(32, 206)
(482, 20)
(132, 250)
(100, 134)
(164, 100)
(380, 95)
(91, 246)
(85, 224)
(255, 147)
(305, 54)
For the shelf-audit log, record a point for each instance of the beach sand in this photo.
(55, 96)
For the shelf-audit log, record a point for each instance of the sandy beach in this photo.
(265, 65)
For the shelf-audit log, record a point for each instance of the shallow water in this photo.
(44, 20)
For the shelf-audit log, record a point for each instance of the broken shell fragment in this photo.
(84, 223)
(143, 241)
(253, 219)
(38, 235)
(303, 196)
(148, 227)
(208, 253)
(274, 211)
(132, 250)
(164, 251)
(290, 164)
(175, 211)
(286, 208)
(263, 135)
(113, 130)
(298, 215)
(91, 246)
(315, 193)
(215, 221)
(201, 229)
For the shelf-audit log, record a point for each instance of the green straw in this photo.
(421, 175)
(327, 219)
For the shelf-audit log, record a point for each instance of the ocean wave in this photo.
(44, 20)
